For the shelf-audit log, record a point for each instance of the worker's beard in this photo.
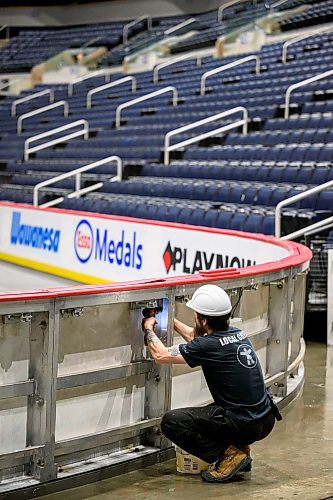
(198, 330)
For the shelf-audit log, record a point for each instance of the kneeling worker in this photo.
(242, 411)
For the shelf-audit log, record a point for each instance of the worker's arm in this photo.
(161, 354)
(185, 331)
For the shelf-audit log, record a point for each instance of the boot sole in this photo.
(248, 467)
(242, 466)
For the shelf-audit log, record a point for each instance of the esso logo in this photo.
(83, 241)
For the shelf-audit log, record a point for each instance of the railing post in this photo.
(78, 182)
(166, 148)
(119, 169)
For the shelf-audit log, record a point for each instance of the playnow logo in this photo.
(183, 260)
(98, 245)
(41, 237)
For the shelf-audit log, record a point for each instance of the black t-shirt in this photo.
(232, 372)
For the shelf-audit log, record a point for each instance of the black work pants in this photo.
(206, 432)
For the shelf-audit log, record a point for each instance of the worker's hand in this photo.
(149, 323)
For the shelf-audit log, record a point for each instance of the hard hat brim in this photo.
(190, 305)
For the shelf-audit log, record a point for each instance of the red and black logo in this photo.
(184, 261)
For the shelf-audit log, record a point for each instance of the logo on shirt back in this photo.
(246, 356)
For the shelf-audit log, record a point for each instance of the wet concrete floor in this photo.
(295, 461)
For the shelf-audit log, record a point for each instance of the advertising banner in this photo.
(99, 249)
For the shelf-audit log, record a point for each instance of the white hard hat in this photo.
(210, 300)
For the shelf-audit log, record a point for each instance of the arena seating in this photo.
(29, 47)
(319, 13)
(33, 46)
(233, 181)
(142, 38)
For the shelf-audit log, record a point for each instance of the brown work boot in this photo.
(234, 460)
(246, 449)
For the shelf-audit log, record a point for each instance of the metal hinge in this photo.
(35, 397)
(150, 304)
(278, 283)
(17, 318)
(75, 312)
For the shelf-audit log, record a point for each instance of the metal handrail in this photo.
(94, 74)
(86, 44)
(293, 199)
(30, 97)
(179, 26)
(295, 86)
(136, 21)
(10, 82)
(5, 27)
(77, 174)
(27, 142)
(327, 224)
(211, 133)
(225, 67)
(174, 61)
(108, 86)
(312, 229)
(275, 4)
(146, 97)
(8, 85)
(224, 6)
(287, 44)
(38, 111)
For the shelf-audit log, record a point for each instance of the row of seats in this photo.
(319, 13)
(255, 193)
(249, 174)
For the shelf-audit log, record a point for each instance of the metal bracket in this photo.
(182, 298)
(278, 283)
(75, 312)
(153, 373)
(253, 286)
(17, 318)
(36, 397)
(150, 304)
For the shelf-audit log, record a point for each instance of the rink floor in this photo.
(295, 461)
(14, 277)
